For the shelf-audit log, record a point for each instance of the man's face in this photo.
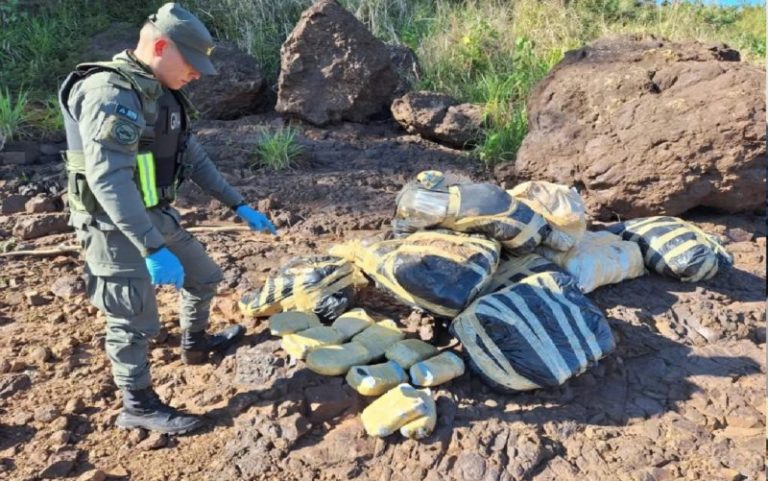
(169, 66)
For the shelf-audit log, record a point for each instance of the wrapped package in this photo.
(378, 337)
(436, 271)
(512, 269)
(422, 426)
(319, 284)
(537, 333)
(301, 343)
(408, 352)
(284, 323)
(561, 207)
(600, 258)
(471, 208)
(335, 360)
(675, 248)
(376, 379)
(352, 322)
(437, 370)
(399, 406)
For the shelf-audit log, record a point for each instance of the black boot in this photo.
(142, 408)
(195, 346)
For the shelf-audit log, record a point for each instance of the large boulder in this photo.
(238, 90)
(407, 66)
(334, 69)
(643, 126)
(439, 117)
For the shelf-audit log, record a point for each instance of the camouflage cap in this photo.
(188, 33)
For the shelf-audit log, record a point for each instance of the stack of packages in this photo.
(346, 347)
(510, 268)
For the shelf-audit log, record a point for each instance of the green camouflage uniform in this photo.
(117, 238)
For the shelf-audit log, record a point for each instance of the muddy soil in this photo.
(682, 397)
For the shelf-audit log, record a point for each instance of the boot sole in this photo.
(127, 426)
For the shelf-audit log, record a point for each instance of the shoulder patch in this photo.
(124, 111)
(125, 133)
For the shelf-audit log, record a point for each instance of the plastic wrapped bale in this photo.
(399, 406)
(471, 208)
(675, 248)
(513, 269)
(352, 322)
(376, 379)
(600, 258)
(336, 360)
(378, 337)
(437, 370)
(561, 207)
(537, 333)
(319, 284)
(301, 343)
(284, 323)
(408, 352)
(439, 272)
(422, 426)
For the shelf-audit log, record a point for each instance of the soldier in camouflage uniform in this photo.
(129, 148)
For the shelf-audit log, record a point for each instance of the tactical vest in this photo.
(160, 165)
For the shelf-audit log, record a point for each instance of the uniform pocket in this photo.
(121, 297)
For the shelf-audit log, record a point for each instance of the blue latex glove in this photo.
(164, 268)
(255, 219)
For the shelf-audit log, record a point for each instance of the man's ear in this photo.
(160, 45)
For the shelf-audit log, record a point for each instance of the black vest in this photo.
(165, 135)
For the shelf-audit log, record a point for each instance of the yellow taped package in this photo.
(472, 208)
(399, 406)
(562, 207)
(376, 379)
(437, 370)
(299, 344)
(437, 271)
(675, 248)
(514, 269)
(352, 322)
(320, 284)
(284, 323)
(600, 258)
(336, 360)
(422, 426)
(378, 337)
(408, 352)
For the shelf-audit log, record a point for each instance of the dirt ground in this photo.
(682, 397)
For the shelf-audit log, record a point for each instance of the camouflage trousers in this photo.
(118, 284)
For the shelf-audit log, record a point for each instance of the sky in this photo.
(735, 3)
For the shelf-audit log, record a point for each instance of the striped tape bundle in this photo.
(513, 269)
(439, 272)
(537, 333)
(320, 284)
(472, 208)
(675, 248)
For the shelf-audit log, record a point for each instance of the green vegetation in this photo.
(13, 116)
(487, 51)
(277, 150)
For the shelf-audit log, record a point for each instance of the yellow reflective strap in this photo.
(146, 165)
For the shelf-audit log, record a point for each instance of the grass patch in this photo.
(278, 149)
(45, 118)
(13, 116)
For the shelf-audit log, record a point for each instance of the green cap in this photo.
(188, 33)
